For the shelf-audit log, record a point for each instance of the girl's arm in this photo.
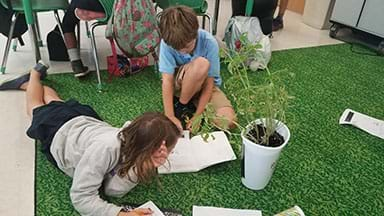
(117, 186)
(88, 177)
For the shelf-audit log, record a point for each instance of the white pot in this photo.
(259, 162)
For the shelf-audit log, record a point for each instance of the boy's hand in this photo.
(193, 125)
(189, 124)
(176, 122)
(137, 212)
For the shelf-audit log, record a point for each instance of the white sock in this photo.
(74, 54)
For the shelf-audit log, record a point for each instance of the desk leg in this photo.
(216, 16)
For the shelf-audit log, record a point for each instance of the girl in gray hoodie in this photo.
(95, 154)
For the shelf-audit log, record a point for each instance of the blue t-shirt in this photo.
(206, 46)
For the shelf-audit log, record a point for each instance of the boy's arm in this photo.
(167, 92)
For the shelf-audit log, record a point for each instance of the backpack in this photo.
(133, 25)
(6, 20)
(56, 46)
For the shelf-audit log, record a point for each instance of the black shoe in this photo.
(15, 84)
(42, 68)
(277, 24)
(79, 69)
(183, 112)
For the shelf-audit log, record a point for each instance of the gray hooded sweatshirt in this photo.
(88, 150)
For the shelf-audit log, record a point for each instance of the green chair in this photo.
(30, 8)
(199, 6)
(108, 8)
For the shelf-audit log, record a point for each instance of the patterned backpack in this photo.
(133, 25)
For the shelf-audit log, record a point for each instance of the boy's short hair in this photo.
(178, 26)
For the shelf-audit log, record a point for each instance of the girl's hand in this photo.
(137, 212)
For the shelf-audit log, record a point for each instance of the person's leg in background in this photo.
(262, 9)
(238, 7)
(78, 9)
(278, 21)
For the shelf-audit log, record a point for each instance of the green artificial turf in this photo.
(326, 169)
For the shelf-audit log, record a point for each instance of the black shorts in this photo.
(92, 5)
(70, 20)
(48, 119)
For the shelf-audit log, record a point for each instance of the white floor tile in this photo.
(17, 157)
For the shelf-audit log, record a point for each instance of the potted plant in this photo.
(261, 107)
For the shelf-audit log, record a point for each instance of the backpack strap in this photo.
(21, 41)
(156, 61)
(114, 69)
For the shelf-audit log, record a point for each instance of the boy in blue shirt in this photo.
(190, 67)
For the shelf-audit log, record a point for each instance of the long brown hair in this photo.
(140, 139)
(178, 26)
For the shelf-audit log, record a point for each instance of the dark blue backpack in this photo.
(6, 14)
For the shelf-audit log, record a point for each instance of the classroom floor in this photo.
(17, 152)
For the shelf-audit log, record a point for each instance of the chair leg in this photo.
(215, 17)
(210, 23)
(33, 36)
(14, 45)
(203, 22)
(8, 45)
(78, 35)
(59, 24)
(87, 29)
(94, 52)
(39, 41)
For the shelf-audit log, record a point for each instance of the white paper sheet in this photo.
(153, 207)
(366, 123)
(192, 155)
(211, 211)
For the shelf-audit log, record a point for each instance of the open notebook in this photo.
(192, 155)
(203, 211)
(156, 211)
(210, 211)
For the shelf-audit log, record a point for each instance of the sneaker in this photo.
(277, 24)
(183, 112)
(42, 68)
(15, 83)
(79, 69)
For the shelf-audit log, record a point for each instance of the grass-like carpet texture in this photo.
(326, 169)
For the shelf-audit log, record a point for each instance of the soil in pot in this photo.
(274, 140)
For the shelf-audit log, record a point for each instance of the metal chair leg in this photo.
(8, 45)
(59, 24)
(211, 27)
(39, 41)
(215, 17)
(78, 35)
(33, 35)
(87, 29)
(94, 52)
(14, 44)
(203, 22)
